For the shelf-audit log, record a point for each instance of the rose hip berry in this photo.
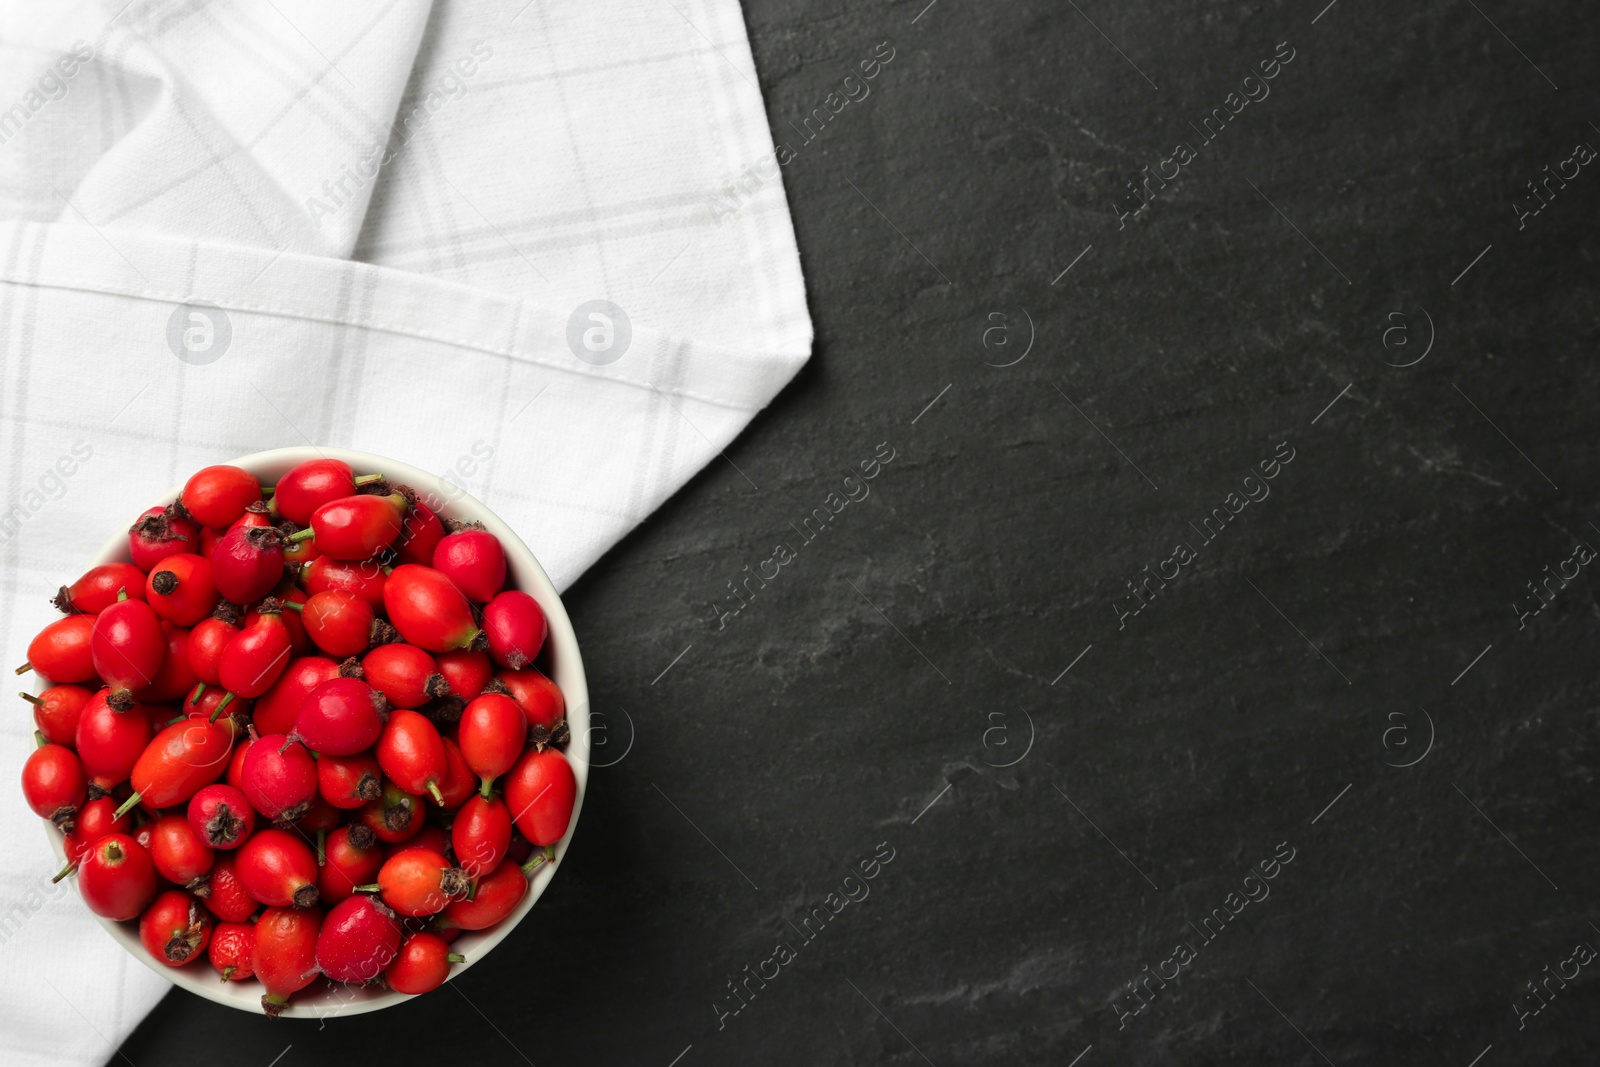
(257, 655)
(278, 869)
(466, 671)
(394, 816)
(359, 937)
(56, 711)
(232, 945)
(175, 929)
(411, 753)
(480, 834)
(279, 778)
(158, 535)
(98, 588)
(422, 964)
(276, 710)
(348, 782)
(365, 579)
(181, 856)
(540, 698)
(305, 488)
(184, 757)
(341, 624)
(516, 627)
(221, 816)
(420, 881)
(217, 496)
(491, 734)
(109, 743)
(406, 675)
(61, 651)
(116, 878)
(176, 677)
(181, 589)
(229, 901)
(127, 648)
(474, 561)
(428, 610)
(356, 527)
(341, 717)
(247, 563)
(540, 791)
(351, 858)
(285, 957)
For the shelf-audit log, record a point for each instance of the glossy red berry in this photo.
(175, 929)
(459, 782)
(61, 651)
(516, 627)
(411, 753)
(276, 710)
(359, 938)
(541, 791)
(229, 900)
(428, 610)
(159, 534)
(394, 816)
(305, 488)
(116, 878)
(278, 869)
(56, 711)
(206, 643)
(180, 589)
(349, 782)
(175, 678)
(365, 579)
(108, 742)
(356, 527)
(466, 671)
(491, 734)
(406, 675)
(181, 856)
(221, 816)
(480, 834)
(419, 535)
(338, 623)
(279, 778)
(422, 964)
(494, 896)
(341, 717)
(217, 496)
(128, 647)
(540, 698)
(54, 784)
(475, 561)
(232, 946)
(256, 656)
(420, 881)
(285, 958)
(183, 758)
(247, 563)
(351, 858)
(98, 588)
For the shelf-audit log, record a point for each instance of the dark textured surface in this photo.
(856, 689)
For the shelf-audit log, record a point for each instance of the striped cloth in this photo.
(538, 248)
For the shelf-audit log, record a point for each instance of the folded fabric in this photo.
(539, 249)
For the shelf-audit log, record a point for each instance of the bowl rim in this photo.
(523, 572)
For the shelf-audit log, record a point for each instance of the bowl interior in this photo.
(565, 666)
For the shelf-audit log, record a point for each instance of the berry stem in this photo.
(373, 888)
(368, 479)
(68, 869)
(294, 605)
(30, 698)
(39, 739)
(543, 856)
(303, 535)
(198, 692)
(455, 957)
(127, 806)
(433, 790)
(486, 788)
(221, 706)
(25, 668)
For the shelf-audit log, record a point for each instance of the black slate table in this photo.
(1207, 674)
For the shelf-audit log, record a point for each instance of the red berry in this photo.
(217, 496)
(541, 790)
(181, 856)
(54, 784)
(128, 647)
(285, 958)
(428, 610)
(98, 588)
(56, 711)
(539, 697)
(359, 938)
(305, 488)
(348, 782)
(279, 778)
(394, 816)
(278, 869)
(351, 857)
(491, 734)
(474, 561)
(206, 643)
(116, 878)
(247, 563)
(411, 753)
(175, 929)
(175, 678)
(420, 881)
(339, 623)
(232, 945)
(406, 675)
(480, 834)
(341, 717)
(221, 816)
(229, 900)
(61, 651)
(422, 964)
(256, 656)
(181, 590)
(158, 535)
(516, 627)
(110, 743)
(495, 896)
(182, 759)
(466, 671)
(356, 527)
(365, 579)
(419, 536)
(276, 710)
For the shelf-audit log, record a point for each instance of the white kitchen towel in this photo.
(540, 248)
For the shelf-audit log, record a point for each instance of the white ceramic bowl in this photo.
(322, 999)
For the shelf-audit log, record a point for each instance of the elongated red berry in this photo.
(428, 610)
(349, 782)
(494, 896)
(98, 588)
(54, 784)
(541, 791)
(181, 856)
(158, 535)
(128, 648)
(419, 535)
(422, 964)
(206, 642)
(418, 881)
(407, 676)
(394, 816)
(181, 589)
(183, 758)
(341, 717)
(61, 652)
(480, 834)
(539, 697)
(56, 711)
(356, 527)
(466, 671)
(247, 563)
(229, 900)
(516, 627)
(285, 958)
(116, 878)
(175, 929)
(276, 710)
(256, 655)
(278, 869)
(475, 561)
(411, 753)
(359, 938)
(308, 486)
(110, 742)
(351, 858)
(491, 733)
(339, 623)
(216, 496)
(365, 578)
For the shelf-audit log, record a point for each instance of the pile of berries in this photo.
(300, 732)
